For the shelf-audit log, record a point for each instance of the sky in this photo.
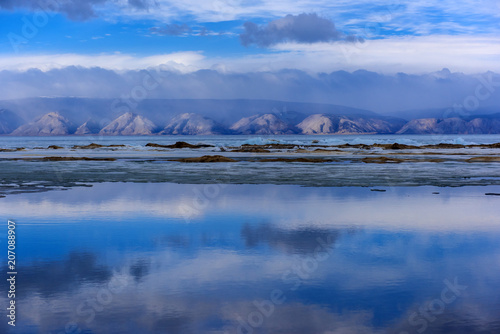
(229, 37)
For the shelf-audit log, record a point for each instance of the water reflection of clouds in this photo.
(205, 278)
(169, 292)
(297, 241)
(412, 208)
(52, 277)
(148, 311)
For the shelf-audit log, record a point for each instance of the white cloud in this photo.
(180, 61)
(411, 54)
(341, 11)
(415, 54)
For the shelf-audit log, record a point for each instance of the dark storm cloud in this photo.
(77, 10)
(303, 28)
(172, 29)
(141, 4)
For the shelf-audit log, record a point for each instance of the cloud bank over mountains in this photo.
(359, 89)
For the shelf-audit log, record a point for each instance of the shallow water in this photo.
(137, 163)
(140, 141)
(172, 258)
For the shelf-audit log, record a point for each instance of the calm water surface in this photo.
(169, 258)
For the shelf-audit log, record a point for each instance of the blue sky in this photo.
(311, 35)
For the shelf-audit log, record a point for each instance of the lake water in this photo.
(225, 258)
(140, 141)
(26, 171)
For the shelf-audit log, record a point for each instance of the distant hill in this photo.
(51, 124)
(266, 124)
(334, 124)
(193, 124)
(260, 117)
(129, 124)
(161, 111)
(453, 125)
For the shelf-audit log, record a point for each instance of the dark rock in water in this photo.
(435, 193)
(88, 147)
(76, 159)
(179, 144)
(381, 160)
(444, 145)
(294, 160)
(182, 144)
(157, 145)
(379, 190)
(492, 194)
(397, 146)
(94, 146)
(496, 145)
(54, 147)
(484, 159)
(206, 158)
(315, 141)
(270, 146)
(362, 146)
(251, 149)
(12, 149)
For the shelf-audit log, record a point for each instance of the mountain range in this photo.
(252, 121)
(192, 124)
